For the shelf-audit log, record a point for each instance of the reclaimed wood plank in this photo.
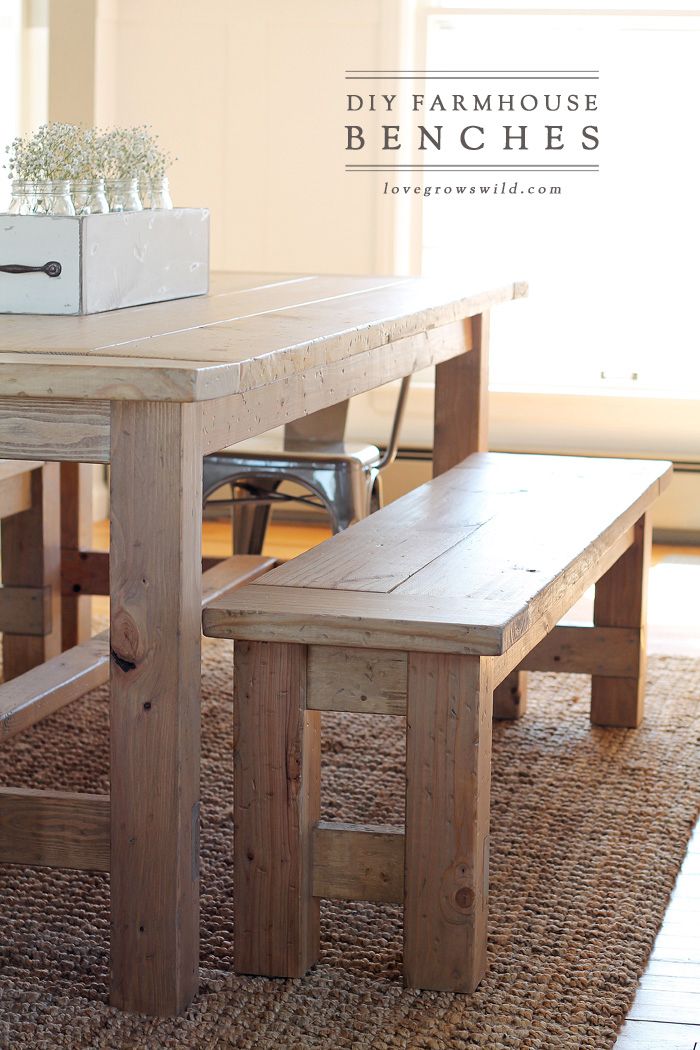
(448, 774)
(620, 601)
(461, 399)
(371, 681)
(155, 551)
(276, 806)
(358, 862)
(211, 347)
(31, 557)
(57, 829)
(76, 535)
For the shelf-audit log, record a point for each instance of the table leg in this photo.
(460, 428)
(31, 557)
(76, 534)
(155, 551)
(461, 400)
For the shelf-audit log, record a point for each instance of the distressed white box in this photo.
(105, 262)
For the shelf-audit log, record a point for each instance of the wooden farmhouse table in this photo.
(150, 390)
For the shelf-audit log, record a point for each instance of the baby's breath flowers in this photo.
(59, 152)
(67, 151)
(129, 153)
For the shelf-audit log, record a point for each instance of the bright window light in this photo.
(612, 262)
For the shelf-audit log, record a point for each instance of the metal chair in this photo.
(344, 478)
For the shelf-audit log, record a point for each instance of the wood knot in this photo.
(125, 641)
(464, 898)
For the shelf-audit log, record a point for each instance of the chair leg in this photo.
(510, 697)
(250, 521)
(448, 773)
(620, 601)
(276, 804)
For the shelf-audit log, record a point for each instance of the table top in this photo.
(251, 330)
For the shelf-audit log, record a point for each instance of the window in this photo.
(612, 261)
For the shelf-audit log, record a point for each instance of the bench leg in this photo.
(448, 773)
(31, 557)
(276, 804)
(620, 601)
(510, 697)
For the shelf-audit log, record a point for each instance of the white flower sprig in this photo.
(128, 153)
(56, 151)
(67, 151)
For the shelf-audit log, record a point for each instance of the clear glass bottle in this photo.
(89, 197)
(160, 193)
(123, 195)
(145, 190)
(53, 198)
(23, 201)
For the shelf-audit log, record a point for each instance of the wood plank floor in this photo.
(666, 1012)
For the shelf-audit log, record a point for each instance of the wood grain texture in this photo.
(448, 774)
(510, 697)
(233, 341)
(233, 572)
(54, 429)
(287, 396)
(16, 489)
(76, 535)
(611, 651)
(57, 829)
(47, 688)
(276, 805)
(40, 692)
(620, 601)
(461, 400)
(369, 681)
(566, 594)
(155, 552)
(31, 557)
(356, 862)
(84, 572)
(506, 562)
(25, 610)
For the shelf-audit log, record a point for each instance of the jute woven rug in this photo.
(589, 829)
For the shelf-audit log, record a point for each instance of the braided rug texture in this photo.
(589, 827)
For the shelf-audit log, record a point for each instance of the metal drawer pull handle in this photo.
(51, 269)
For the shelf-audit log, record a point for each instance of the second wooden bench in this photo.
(421, 611)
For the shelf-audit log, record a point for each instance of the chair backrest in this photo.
(328, 426)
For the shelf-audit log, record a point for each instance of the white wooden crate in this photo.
(105, 262)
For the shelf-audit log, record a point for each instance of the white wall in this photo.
(251, 98)
(10, 78)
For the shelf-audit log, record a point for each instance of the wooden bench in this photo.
(421, 611)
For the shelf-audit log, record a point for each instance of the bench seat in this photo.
(432, 609)
(497, 548)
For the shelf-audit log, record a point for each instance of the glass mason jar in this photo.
(160, 193)
(89, 197)
(23, 200)
(145, 190)
(123, 195)
(53, 198)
